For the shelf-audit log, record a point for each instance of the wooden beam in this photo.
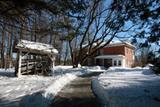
(25, 54)
(27, 72)
(52, 58)
(27, 67)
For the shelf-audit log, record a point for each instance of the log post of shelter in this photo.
(35, 58)
(19, 63)
(52, 61)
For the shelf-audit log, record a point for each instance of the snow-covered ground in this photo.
(78, 71)
(128, 87)
(34, 90)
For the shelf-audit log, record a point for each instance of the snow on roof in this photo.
(109, 56)
(112, 44)
(36, 47)
(120, 43)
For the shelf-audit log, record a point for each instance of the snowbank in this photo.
(91, 69)
(45, 97)
(7, 72)
(60, 70)
(14, 90)
(54, 88)
(128, 87)
(34, 90)
(30, 91)
(98, 68)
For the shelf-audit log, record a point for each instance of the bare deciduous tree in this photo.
(97, 29)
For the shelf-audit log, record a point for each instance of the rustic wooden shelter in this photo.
(34, 58)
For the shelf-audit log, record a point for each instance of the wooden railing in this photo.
(34, 67)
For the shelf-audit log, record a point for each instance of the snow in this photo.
(111, 44)
(54, 88)
(116, 87)
(31, 90)
(60, 70)
(24, 44)
(78, 71)
(118, 43)
(43, 98)
(13, 90)
(89, 69)
(37, 91)
(128, 87)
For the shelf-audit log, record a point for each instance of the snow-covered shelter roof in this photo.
(109, 56)
(36, 47)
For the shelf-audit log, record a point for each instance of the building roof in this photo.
(114, 44)
(36, 47)
(109, 56)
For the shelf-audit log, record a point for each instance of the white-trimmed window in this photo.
(119, 62)
(115, 62)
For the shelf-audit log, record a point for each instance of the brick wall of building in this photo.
(113, 50)
(128, 52)
(120, 49)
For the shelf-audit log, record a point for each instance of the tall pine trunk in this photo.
(10, 48)
(3, 48)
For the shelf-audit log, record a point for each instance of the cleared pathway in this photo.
(77, 94)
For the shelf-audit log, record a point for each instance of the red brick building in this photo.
(114, 54)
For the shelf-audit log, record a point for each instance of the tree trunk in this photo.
(3, 48)
(10, 44)
(73, 56)
(66, 54)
